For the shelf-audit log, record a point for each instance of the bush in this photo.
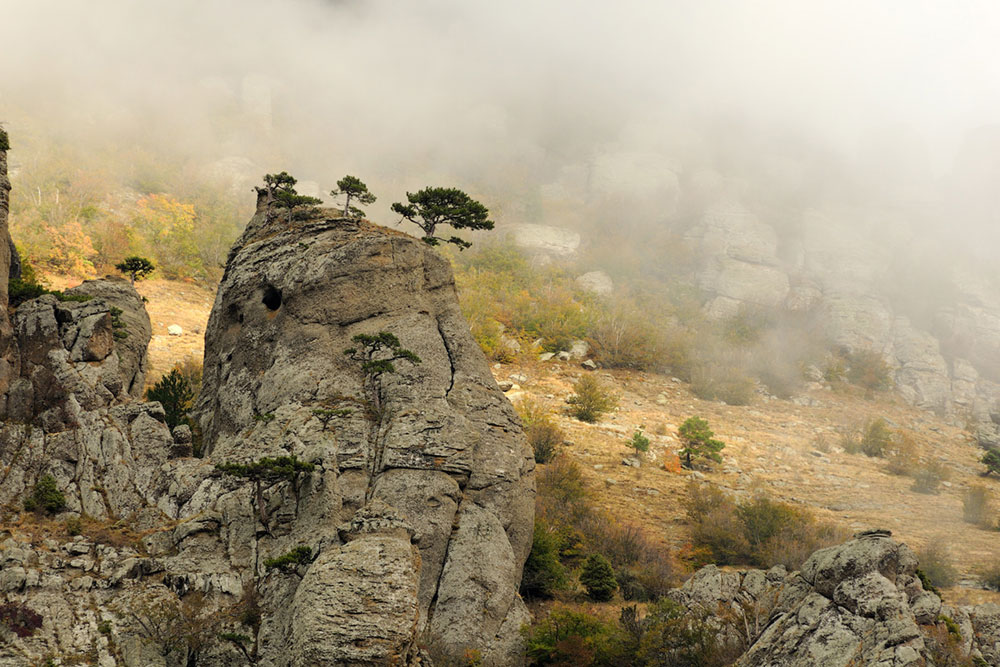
(976, 507)
(674, 636)
(73, 526)
(875, 438)
(567, 638)
(598, 578)
(991, 459)
(20, 619)
(45, 496)
(902, 456)
(626, 337)
(591, 400)
(723, 377)
(543, 573)
(928, 477)
(289, 562)
(759, 531)
(562, 498)
(869, 370)
(990, 576)
(174, 393)
(936, 566)
(543, 434)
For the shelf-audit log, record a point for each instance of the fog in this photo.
(549, 111)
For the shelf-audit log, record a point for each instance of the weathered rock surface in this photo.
(448, 457)
(544, 239)
(859, 603)
(401, 509)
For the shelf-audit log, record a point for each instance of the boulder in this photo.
(596, 282)
(544, 239)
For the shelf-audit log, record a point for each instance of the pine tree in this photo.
(598, 578)
(431, 207)
(136, 268)
(698, 442)
(280, 193)
(352, 187)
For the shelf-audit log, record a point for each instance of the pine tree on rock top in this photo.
(280, 193)
(352, 187)
(431, 207)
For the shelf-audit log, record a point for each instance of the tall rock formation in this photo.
(416, 487)
(8, 354)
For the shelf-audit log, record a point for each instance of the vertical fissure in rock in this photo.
(451, 357)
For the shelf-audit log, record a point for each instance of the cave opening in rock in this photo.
(272, 297)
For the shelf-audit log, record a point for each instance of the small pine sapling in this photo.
(991, 459)
(279, 194)
(639, 442)
(598, 578)
(289, 563)
(174, 393)
(698, 442)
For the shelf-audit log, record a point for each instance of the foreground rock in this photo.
(859, 603)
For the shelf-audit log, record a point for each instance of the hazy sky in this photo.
(450, 85)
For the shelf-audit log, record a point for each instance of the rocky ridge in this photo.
(948, 365)
(401, 495)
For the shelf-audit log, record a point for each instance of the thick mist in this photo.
(577, 113)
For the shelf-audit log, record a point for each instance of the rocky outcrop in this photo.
(8, 352)
(858, 603)
(409, 479)
(442, 452)
(841, 274)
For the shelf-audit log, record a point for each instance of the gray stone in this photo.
(596, 282)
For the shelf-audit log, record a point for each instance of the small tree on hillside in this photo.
(991, 459)
(280, 193)
(431, 207)
(598, 578)
(377, 355)
(351, 187)
(174, 393)
(136, 268)
(698, 442)
(639, 442)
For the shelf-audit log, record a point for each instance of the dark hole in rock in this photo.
(272, 297)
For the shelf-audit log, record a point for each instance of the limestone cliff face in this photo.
(8, 354)
(417, 512)
(444, 462)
